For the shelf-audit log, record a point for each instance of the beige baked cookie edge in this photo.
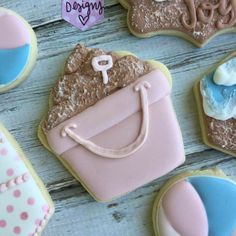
(172, 33)
(32, 171)
(43, 139)
(31, 59)
(154, 64)
(201, 113)
(216, 172)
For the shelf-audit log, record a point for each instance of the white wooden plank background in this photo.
(77, 214)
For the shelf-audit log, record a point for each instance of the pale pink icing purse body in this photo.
(124, 141)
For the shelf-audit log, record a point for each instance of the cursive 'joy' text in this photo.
(204, 13)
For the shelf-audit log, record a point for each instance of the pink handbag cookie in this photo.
(25, 205)
(111, 122)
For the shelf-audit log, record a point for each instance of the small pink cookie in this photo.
(112, 123)
(25, 205)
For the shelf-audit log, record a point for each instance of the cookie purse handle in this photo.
(141, 88)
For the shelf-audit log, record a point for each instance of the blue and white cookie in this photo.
(199, 203)
(216, 99)
(18, 49)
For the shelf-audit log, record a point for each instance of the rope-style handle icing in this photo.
(14, 182)
(131, 148)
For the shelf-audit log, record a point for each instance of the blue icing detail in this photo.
(219, 198)
(12, 62)
(219, 96)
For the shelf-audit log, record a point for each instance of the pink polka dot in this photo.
(45, 208)
(3, 152)
(24, 215)
(3, 223)
(10, 172)
(10, 208)
(17, 193)
(38, 222)
(17, 230)
(31, 201)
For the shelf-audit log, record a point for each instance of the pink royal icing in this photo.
(114, 122)
(14, 182)
(10, 27)
(105, 114)
(184, 211)
(125, 151)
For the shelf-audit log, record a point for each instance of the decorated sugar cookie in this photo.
(200, 203)
(216, 99)
(196, 20)
(25, 205)
(111, 122)
(18, 49)
(82, 14)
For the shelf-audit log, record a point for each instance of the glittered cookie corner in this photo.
(217, 133)
(18, 45)
(193, 20)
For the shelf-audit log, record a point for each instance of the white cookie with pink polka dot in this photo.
(25, 205)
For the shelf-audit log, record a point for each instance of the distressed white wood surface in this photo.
(77, 214)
